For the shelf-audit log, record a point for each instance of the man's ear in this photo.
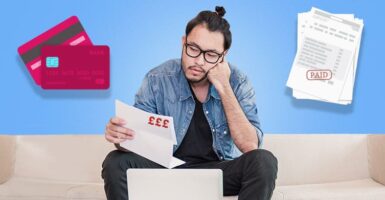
(183, 40)
(225, 53)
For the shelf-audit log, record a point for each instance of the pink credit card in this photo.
(75, 67)
(69, 32)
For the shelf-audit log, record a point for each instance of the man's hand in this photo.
(219, 75)
(116, 133)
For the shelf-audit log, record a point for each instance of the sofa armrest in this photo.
(376, 157)
(7, 157)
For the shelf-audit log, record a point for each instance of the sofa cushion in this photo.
(350, 190)
(31, 189)
(87, 192)
(7, 157)
(376, 154)
(318, 158)
(61, 157)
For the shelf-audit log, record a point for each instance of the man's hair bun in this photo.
(220, 11)
(214, 21)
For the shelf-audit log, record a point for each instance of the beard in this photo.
(193, 66)
(199, 80)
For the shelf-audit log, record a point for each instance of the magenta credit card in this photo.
(75, 67)
(69, 32)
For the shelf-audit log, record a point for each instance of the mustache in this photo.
(197, 68)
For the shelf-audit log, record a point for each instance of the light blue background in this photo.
(143, 34)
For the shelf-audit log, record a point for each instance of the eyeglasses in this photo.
(210, 56)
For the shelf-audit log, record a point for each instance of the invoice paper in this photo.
(154, 134)
(326, 60)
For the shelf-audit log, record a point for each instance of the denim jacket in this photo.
(165, 91)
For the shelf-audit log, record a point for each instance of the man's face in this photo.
(200, 38)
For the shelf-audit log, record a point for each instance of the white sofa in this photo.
(311, 166)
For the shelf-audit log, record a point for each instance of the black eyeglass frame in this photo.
(204, 53)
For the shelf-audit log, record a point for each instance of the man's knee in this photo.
(115, 163)
(263, 163)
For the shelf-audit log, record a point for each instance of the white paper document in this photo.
(325, 64)
(155, 134)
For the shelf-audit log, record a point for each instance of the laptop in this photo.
(175, 184)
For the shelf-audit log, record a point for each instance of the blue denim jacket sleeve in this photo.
(145, 97)
(247, 100)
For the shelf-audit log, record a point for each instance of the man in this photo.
(213, 105)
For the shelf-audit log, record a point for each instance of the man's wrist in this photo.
(223, 89)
